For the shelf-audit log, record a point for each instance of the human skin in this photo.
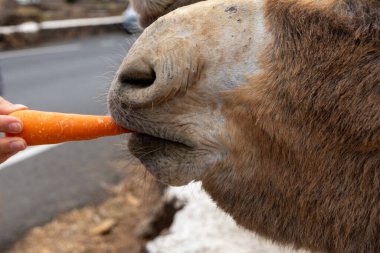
(10, 146)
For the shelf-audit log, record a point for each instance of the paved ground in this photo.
(71, 77)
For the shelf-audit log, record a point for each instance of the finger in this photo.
(7, 107)
(11, 146)
(9, 124)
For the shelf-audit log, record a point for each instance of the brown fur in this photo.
(297, 152)
(305, 168)
(150, 10)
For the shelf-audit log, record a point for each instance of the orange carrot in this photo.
(50, 127)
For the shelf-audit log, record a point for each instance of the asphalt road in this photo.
(42, 182)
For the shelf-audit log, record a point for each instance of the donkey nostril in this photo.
(137, 79)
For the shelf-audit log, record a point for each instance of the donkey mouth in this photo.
(145, 147)
(146, 138)
(157, 154)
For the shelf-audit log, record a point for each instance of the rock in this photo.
(133, 200)
(104, 228)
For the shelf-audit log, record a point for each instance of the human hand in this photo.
(9, 146)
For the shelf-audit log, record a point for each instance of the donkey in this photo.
(273, 105)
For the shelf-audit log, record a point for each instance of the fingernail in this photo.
(17, 145)
(19, 106)
(14, 127)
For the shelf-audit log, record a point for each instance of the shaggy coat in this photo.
(307, 168)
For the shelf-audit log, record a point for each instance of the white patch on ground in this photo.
(201, 227)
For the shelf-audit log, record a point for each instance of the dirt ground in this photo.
(121, 224)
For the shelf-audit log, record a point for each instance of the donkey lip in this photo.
(141, 143)
(148, 133)
(145, 138)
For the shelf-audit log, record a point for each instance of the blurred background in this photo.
(15, 12)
